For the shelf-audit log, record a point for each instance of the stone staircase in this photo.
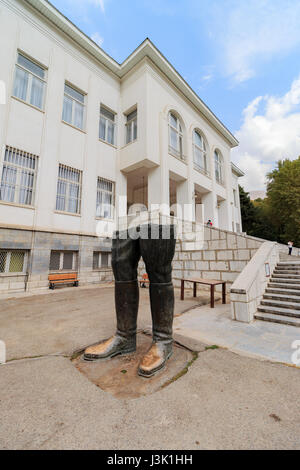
(281, 301)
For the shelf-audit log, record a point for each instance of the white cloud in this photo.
(83, 4)
(270, 131)
(99, 3)
(250, 33)
(97, 39)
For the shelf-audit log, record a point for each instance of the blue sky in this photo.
(242, 57)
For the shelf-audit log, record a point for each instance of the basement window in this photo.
(63, 261)
(13, 261)
(101, 260)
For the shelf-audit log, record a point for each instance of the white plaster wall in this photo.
(163, 97)
(44, 133)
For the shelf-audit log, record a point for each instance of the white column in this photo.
(158, 178)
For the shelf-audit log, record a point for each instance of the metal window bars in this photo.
(13, 261)
(101, 260)
(105, 198)
(63, 261)
(68, 197)
(18, 179)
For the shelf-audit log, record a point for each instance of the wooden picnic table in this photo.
(208, 282)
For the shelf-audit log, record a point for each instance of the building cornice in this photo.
(146, 49)
(235, 169)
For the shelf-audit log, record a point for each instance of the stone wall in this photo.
(39, 245)
(249, 287)
(223, 256)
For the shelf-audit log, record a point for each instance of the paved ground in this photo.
(68, 319)
(224, 401)
(260, 339)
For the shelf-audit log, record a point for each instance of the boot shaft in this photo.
(162, 311)
(127, 304)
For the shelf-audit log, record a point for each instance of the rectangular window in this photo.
(101, 260)
(63, 261)
(73, 108)
(18, 177)
(68, 197)
(13, 261)
(235, 198)
(29, 82)
(107, 126)
(105, 199)
(131, 127)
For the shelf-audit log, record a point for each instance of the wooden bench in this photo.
(62, 278)
(208, 282)
(144, 280)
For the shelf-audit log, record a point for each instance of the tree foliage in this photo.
(277, 217)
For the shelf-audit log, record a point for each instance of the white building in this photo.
(77, 130)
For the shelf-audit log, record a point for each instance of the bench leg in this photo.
(195, 289)
(182, 290)
(224, 293)
(212, 296)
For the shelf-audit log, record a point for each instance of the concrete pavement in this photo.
(224, 401)
(263, 340)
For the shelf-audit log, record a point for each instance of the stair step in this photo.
(287, 271)
(281, 304)
(290, 265)
(278, 319)
(284, 285)
(286, 276)
(279, 311)
(284, 279)
(282, 297)
(283, 291)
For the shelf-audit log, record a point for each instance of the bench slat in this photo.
(62, 276)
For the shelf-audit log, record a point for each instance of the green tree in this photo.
(247, 210)
(283, 193)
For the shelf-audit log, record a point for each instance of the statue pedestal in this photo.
(119, 377)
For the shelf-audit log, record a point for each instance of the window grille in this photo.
(18, 177)
(101, 260)
(63, 261)
(13, 261)
(68, 197)
(105, 198)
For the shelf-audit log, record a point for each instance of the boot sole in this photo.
(93, 358)
(154, 371)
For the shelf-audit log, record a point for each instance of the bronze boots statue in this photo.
(156, 245)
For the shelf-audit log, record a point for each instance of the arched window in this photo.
(219, 170)
(175, 136)
(200, 157)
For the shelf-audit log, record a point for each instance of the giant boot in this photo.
(162, 311)
(124, 341)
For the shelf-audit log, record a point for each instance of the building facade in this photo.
(83, 138)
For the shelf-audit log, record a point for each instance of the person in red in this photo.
(209, 223)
